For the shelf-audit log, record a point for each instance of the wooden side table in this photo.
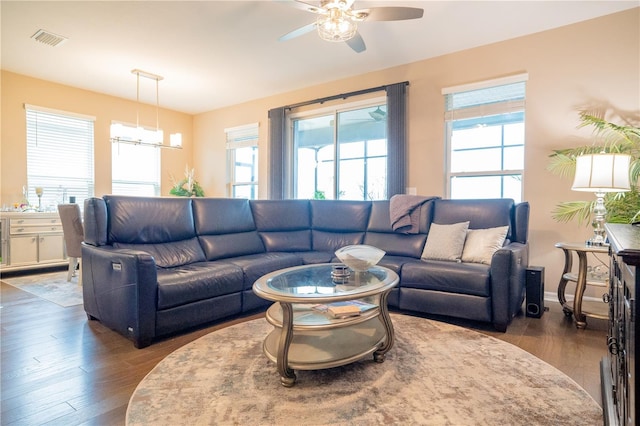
(582, 279)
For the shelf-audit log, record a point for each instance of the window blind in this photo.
(59, 155)
(242, 136)
(485, 102)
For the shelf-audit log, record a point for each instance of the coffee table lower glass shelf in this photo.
(321, 342)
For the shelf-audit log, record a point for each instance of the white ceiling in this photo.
(218, 53)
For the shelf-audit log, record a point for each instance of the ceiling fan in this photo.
(338, 21)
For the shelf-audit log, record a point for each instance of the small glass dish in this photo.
(360, 257)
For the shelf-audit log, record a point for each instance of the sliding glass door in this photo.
(341, 154)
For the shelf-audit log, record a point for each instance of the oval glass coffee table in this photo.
(306, 337)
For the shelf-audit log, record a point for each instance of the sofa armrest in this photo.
(508, 278)
(120, 290)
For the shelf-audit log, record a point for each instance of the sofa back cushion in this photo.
(148, 220)
(381, 235)
(336, 224)
(225, 227)
(480, 214)
(283, 225)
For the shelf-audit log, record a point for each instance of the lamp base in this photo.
(599, 233)
(598, 243)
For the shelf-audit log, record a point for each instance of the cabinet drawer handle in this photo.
(606, 298)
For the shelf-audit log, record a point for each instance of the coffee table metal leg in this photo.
(378, 356)
(287, 375)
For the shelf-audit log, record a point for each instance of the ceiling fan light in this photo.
(335, 27)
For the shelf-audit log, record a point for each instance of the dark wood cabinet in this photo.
(618, 368)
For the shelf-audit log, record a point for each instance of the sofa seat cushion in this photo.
(197, 281)
(454, 277)
(170, 254)
(256, 265)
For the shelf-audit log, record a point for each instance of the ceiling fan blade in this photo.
(298, 32)
(388, 13)
(357, 43)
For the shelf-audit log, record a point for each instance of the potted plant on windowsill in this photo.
(622, 207)
(188, 186)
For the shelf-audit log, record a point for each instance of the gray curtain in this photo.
(276, 153)
(396, 139)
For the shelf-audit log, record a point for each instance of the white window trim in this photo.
(248, 129)
(480, 111)
(60, 112)
(290, 183)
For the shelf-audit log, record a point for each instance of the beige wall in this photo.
(594, 63)
(18, 90)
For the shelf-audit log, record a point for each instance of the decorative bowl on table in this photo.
(360, 257)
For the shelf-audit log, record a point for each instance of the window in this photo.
(341, 153)
(485, 139)
(242, 160)
(135, 169)
(59, 156)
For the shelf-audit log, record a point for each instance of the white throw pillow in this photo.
(445, 242)
(481, 244)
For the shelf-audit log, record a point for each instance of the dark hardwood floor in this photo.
(59, 368)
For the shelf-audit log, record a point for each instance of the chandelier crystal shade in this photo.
(336, 24)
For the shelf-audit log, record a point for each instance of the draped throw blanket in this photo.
(404, 212)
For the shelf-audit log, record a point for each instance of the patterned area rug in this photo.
(52, 286)
(436, 374)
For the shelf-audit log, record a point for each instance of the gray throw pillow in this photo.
(481, 244)
(445, 242)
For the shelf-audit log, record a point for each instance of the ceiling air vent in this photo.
(48, 38)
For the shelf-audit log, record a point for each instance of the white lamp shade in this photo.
(602, 173)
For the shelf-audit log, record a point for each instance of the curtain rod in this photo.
(342, 96)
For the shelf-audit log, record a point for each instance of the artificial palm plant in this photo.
(621, 207)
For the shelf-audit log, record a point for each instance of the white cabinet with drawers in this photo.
(32, 240)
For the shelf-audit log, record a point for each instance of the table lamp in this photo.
(39, 194)
(601, 173)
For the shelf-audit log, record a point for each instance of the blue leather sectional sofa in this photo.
(152, 267)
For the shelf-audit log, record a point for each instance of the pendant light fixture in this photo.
(140, 135)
